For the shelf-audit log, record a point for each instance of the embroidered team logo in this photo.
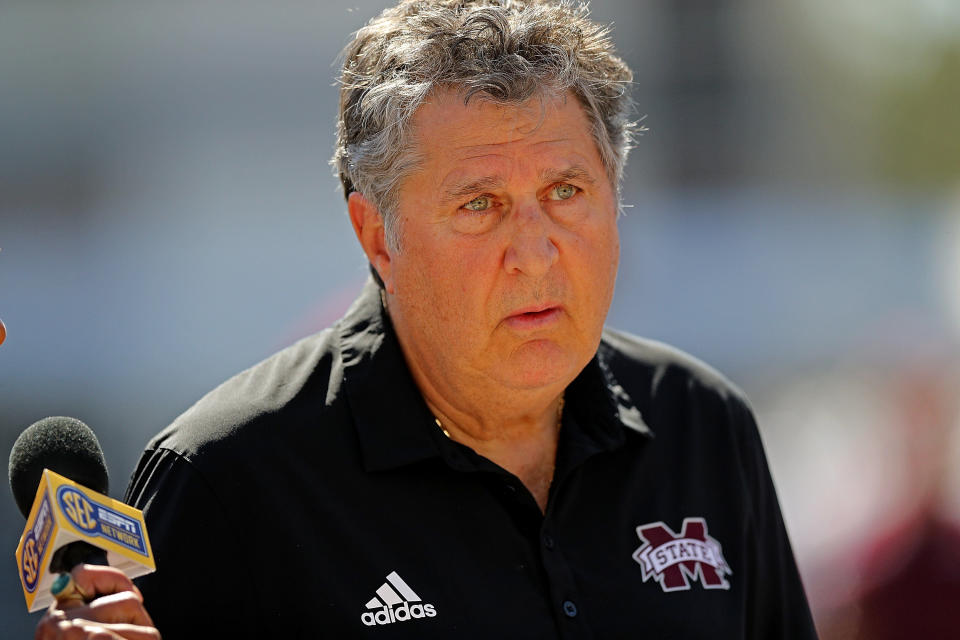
(673, 560)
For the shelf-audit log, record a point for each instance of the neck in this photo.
(517, 428)
(526, 446)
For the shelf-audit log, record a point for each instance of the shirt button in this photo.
(548, 542)
(570, 609)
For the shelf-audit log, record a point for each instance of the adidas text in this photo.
(405, 611)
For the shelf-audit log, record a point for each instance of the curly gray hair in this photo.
(506, 51)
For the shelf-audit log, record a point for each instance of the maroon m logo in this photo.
(674, 559)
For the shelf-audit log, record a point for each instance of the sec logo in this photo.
(31, 563)
(79, 510)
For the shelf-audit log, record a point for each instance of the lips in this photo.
(535, 317)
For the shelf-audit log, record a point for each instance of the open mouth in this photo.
(533, 319)
(537, 314)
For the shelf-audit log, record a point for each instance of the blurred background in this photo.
(168, 218)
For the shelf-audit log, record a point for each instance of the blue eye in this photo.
(562, 191)
(480, 203)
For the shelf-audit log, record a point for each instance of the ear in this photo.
(368, 225)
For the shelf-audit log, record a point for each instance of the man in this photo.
(468, 453)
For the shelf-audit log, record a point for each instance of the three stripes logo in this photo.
(395, 602)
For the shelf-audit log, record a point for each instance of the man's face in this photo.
(509, 245)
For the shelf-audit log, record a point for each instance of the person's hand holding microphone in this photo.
(59, 481)
(95, 603)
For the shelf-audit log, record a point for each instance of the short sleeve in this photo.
(777, 606)
(199, 589)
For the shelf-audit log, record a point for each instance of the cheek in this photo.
(471, 266)
(600, 263)
(448, 287)
(613, 262)
(604, 250)
(615, 252)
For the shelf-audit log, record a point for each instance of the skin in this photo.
(115, 610)
(505, 271)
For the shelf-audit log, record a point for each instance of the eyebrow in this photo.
(574, 172)
(460, 190)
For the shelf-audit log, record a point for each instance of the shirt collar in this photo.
(391, 417)
(599, 400)
(396, 428)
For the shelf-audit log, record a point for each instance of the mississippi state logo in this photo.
(673, 560)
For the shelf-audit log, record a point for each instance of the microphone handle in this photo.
(70, 555)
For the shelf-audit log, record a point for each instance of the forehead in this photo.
(545, 133)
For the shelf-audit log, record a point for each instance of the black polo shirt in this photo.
(313, 496)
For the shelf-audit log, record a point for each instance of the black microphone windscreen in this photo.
(64, 445)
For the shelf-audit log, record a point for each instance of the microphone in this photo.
(64, 445)
(59, 480)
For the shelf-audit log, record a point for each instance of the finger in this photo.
(134, 632)
(87, 630)
(67, 593)
(53, 626)
(83, 630)
(47, 627)
(97, 580)
(122, 607)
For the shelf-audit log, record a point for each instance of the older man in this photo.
(468, 453)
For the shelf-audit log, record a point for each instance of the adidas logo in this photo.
(395, 592)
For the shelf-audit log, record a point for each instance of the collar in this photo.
(396, 428)
(390, 415)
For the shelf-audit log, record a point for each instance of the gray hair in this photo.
(506, 51)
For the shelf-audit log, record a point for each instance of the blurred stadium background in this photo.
(168, 217)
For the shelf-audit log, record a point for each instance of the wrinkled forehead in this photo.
(526, 114)
(451, 127)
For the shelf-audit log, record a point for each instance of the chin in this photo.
(542, 363)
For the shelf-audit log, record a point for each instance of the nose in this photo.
(531, 250)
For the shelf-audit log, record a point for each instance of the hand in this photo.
(113, 609)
